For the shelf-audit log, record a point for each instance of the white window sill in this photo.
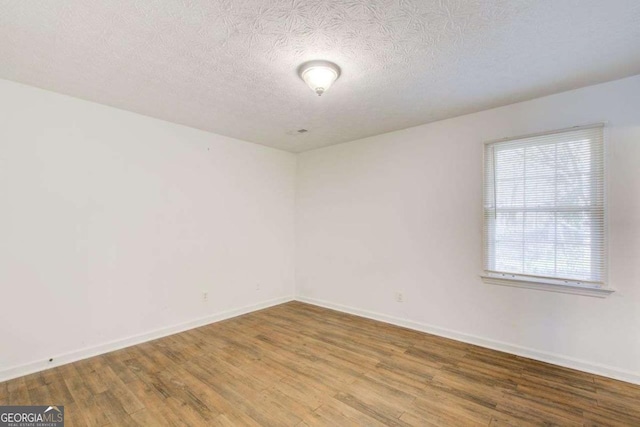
(592, 291)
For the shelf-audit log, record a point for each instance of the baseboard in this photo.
(74, 356)
(556, 359)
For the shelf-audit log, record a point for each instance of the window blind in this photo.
(544, 207)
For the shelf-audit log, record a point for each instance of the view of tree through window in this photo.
(544, 206)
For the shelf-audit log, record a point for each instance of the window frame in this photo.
(535, 282)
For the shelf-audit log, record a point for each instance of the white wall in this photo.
(402, 212)
(112, 225)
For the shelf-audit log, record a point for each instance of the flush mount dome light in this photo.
(319, 75)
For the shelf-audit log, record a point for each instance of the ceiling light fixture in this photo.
(319, 75)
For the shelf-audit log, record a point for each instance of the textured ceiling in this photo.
(229, 66)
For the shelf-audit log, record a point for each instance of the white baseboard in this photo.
(556, 359)
(74, 356)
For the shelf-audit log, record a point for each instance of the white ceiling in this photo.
(229, 66)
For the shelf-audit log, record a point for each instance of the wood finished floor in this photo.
(301, 365)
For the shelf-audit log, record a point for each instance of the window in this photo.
(544, 211)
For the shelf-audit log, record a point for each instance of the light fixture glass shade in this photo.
(319, 75)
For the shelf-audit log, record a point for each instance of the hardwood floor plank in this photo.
(303, 392)
(125, 397)
(504, 420)
(536, 381)
(301, 365)
(560, 375)
(616, 389)
(40, 395)
(457, 403)
(117, 362)
(74, 416)
(382, 391)
(573, 401)
(59, 392)
(604, 417)
(155, 403)
(336, 413)
(234, 420)
(18, 393)
(529, 409)
(146, 417)
(112, 408)
(373, 408)
(436, 417)
(398, 381)
(4, 393)
(411, 370)
(185, 414)
(34, 380)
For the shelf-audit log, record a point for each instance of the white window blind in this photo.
(544, 208)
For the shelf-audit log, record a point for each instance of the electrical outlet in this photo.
(399, 297)
(205, 296)
(257, 286)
